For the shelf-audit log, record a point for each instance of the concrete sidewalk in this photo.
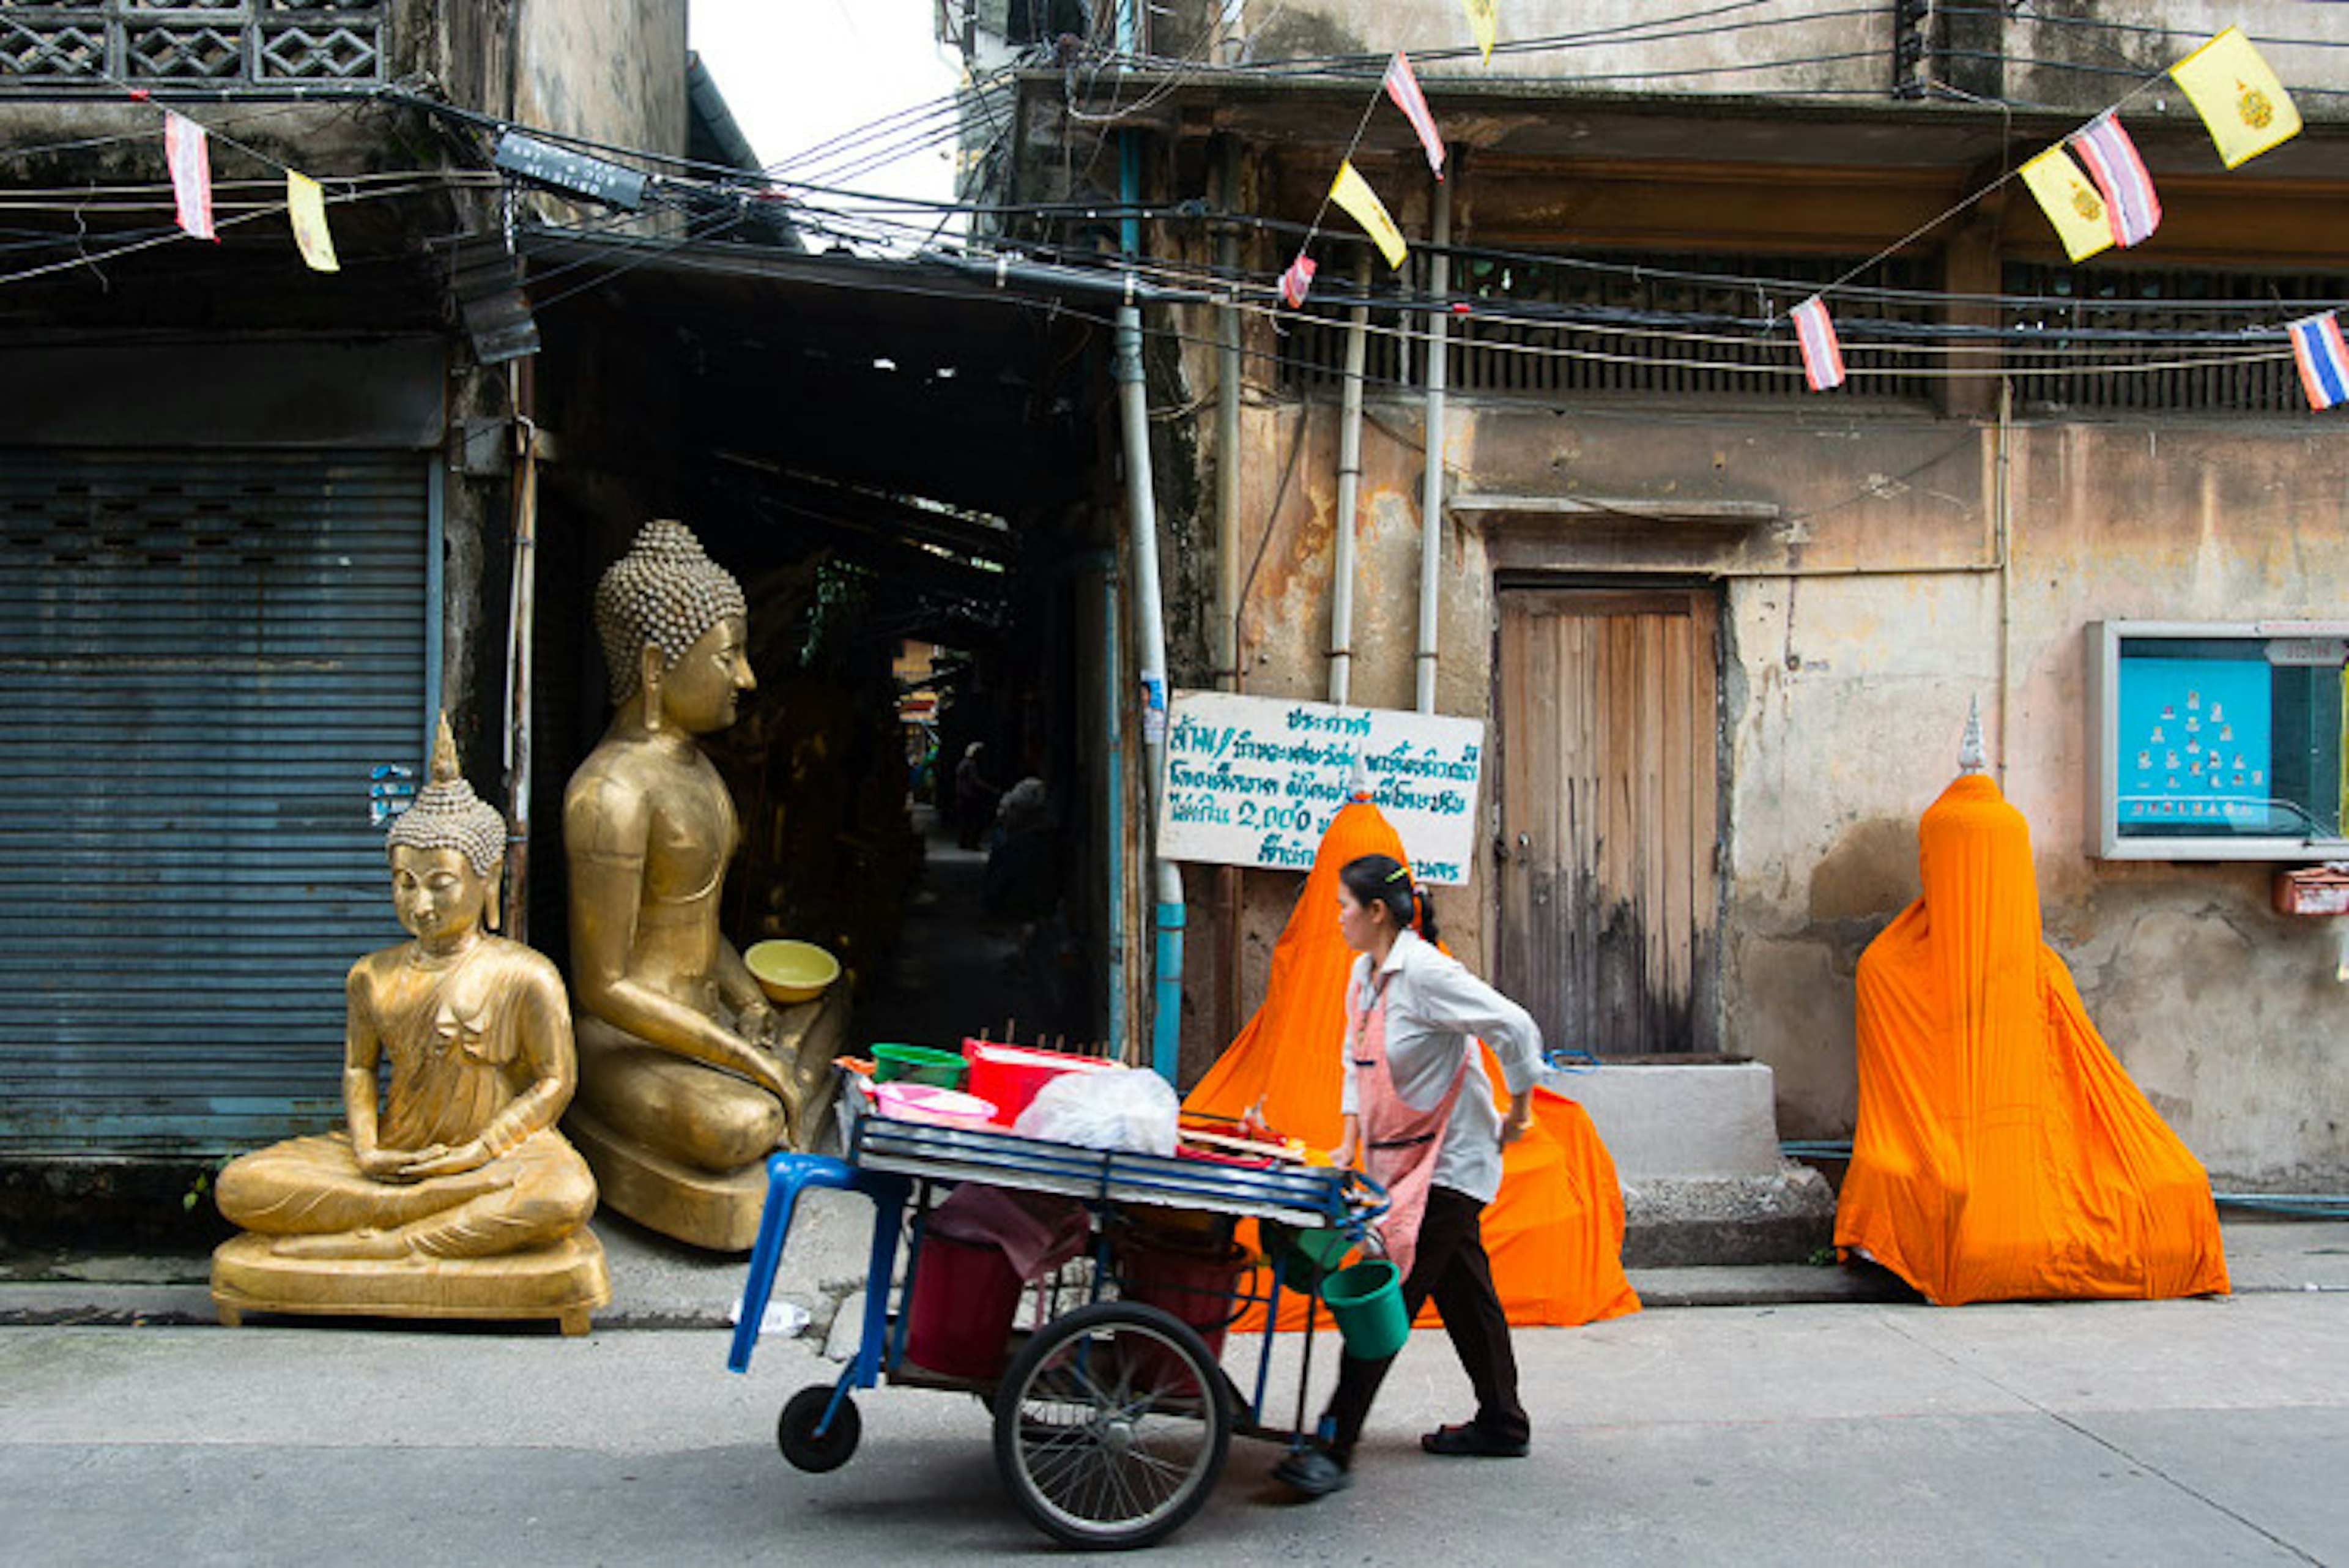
(657, 1283)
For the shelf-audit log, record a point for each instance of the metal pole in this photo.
(1349, 490)
(1431, 497)
(522, 614)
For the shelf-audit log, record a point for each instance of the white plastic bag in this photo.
(1117, 1107)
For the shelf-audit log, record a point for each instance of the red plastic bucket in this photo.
(965, 1296)
(1192, 1284)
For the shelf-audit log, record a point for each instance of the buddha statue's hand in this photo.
(759, 1026)
(383, 1164)
(470, 1155)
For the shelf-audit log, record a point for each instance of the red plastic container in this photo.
(964, 1298)
(1011, 1076)
(1192, 1284)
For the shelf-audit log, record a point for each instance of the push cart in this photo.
(1113, 1414)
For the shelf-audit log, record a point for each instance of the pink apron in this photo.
(1398, 1144)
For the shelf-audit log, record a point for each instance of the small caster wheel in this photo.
(807, 1448)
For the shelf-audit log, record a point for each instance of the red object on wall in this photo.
(2312, 890)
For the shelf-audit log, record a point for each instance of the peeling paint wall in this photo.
(1855, 631)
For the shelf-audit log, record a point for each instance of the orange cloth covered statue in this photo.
(1555, 1234)
(2001, 1152)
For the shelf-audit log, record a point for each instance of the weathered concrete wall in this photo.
(610, 70)
(1722, 54)
(2062, 60)
(1855, 631)
(2150, 35)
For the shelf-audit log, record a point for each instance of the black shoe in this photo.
(1472, 1440)
(1315, 1472)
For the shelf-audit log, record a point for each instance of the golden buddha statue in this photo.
(689, 1078)
(450, 1193)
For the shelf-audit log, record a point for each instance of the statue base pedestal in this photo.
(565, 1281)
(719, 1212)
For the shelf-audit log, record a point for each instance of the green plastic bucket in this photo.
(1324, 1248)
(918, 1065)
(1367, 1301)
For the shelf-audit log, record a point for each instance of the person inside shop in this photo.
(1419, 1113)
(975, 798)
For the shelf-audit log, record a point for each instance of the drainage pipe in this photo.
(1149, 626)
(1349, 491)
(1431, 499)
(1150, 629)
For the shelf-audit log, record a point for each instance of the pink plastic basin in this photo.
(927, 1103)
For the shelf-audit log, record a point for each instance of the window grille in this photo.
(2074, 372)
(1684, 325)
(162, 42)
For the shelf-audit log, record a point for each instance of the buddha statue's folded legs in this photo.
(310, 1195)
(677, 1108)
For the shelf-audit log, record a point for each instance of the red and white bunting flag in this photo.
(184, 149)
(2324, 358)
(1822, 355)
(1298, 280)
(1403, 87)
(2110, 157)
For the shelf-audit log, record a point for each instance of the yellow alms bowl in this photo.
(791, 972)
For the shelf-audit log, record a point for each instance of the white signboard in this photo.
(1254, 781)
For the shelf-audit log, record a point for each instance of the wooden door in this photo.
(1610, 723)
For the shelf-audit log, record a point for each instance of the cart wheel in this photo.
(1111, 1425)
(807, 1448)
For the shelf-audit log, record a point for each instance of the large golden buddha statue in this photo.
(689, 1078)
(450, 1193)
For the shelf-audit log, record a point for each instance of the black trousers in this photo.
(1450, 1266)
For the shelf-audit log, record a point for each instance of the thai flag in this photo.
(1822, 355)
(2324, 358)
(186, 151)
(1298, 280)
(1403, 87)
(2120, 174)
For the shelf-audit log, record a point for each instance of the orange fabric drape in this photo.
(1555, 1233)
(2002, 1153)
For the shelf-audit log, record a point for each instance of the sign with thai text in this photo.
(1254, 781)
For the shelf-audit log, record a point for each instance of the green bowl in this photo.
(918, 1065)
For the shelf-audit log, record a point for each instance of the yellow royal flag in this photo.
(1484, 24)
(2071, 202)
(306, 204)
(1353, 193)
(2239, 99)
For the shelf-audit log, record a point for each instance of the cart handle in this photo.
(787, 1176)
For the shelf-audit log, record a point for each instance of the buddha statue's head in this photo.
(446, 852)
(674, 631)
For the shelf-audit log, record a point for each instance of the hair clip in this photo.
(1398, 874)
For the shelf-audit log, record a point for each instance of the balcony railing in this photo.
(162, 42)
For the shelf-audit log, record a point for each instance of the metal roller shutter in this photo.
(203, 656)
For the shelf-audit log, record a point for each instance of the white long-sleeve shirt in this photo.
(1435, 1013)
